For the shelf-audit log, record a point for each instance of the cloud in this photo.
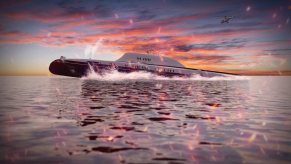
(187, 30)
(184, 48)
(280, 50)
(55, 15)
(230, 44)
(205, 58)
(1, 28)
(12, 3)
(145, 15)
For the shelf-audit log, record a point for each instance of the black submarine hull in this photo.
(75, 68)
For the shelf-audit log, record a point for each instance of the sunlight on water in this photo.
(68, 120)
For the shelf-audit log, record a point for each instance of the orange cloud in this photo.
(166, 35)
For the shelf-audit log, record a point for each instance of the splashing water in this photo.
(114, 75)
(90, 50)
(97, 51)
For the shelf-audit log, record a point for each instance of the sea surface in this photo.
(145, 120)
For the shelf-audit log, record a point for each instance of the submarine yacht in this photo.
(129, 62)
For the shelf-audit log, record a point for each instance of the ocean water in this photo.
(145, 119)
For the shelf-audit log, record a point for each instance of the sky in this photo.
(256, 41)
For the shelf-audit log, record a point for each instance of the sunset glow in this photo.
(256, 42)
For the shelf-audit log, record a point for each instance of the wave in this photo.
(114, 75)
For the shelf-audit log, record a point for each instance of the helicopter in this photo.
(226, 19)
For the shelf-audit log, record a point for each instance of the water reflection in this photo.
(164, 119)
(142, 121)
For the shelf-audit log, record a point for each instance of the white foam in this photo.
(114, 75)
